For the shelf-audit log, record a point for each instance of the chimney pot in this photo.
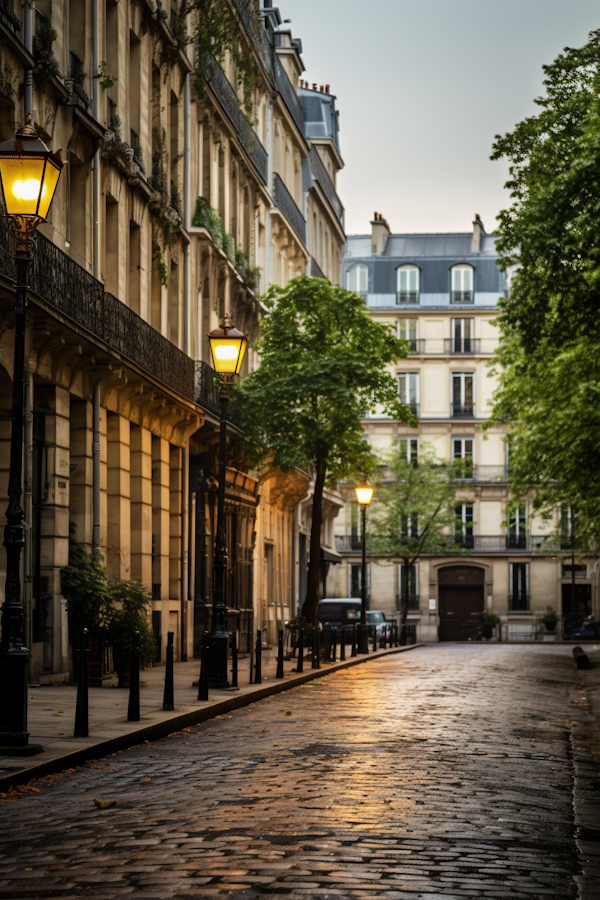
(314, 86)
(326, 88)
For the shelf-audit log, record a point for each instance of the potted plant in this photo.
(131, 602)
(549, 619)
(488, 621)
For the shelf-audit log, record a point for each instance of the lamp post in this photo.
(29, 173)
(364, 494)
(228, 347)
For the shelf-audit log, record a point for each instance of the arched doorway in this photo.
(461, 602)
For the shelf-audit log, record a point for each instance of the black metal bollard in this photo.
(333, 648)
(258, 662)
(279, 673)
(168, 700)
(316, 650)
(234, 659)
(133, 709)
(82, 708)
(397, 641)
(300, 663)
(353, 650)
(203, 680)
(343, 644)
(374, 638)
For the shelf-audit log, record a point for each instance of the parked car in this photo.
(377, 618)
(339, 612)
(589, 630)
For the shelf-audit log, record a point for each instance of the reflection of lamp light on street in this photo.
(29, 173)
(364, 495)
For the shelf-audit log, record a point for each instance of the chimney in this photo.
(326, 88)
(478, 232)
(379, 234)
(322, 89)
(314, 86)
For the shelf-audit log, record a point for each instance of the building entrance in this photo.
(576, 605)
(460, 602)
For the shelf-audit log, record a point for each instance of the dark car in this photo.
(377, 618)
(339, 612)
(589, 631)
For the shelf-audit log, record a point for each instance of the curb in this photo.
(176, 723)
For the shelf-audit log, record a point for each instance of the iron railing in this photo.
(285, 202)
(256, 32)
(413, 603)
(518, 602)
(290, 97)
(484, 474)
(457, 346)
(206, 393)
(478, 543)
(326, 183)
(407, 297)
(8, 17)
(227, 97)
(134, 143)
(462, 296)
(315, 269)
(462, 410)
(349, 543)
(416, 345)
(76, 74)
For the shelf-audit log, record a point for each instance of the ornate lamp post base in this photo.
(13, 697)
(217, 649)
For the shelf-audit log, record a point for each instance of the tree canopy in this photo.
(549, 357)
(323, 364)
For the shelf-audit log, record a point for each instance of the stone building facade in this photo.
(440, 292)
(172, 209)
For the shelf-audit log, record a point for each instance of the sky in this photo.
(422, 87)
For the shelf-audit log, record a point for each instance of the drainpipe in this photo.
(185, 504)
(187, 113)
(96, 472)
(28, 39)
(28, 510)
(96, 159)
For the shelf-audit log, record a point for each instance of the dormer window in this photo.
(462, 284)
(358, 280)
(407, 285)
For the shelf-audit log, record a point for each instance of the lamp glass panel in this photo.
(22, 182)
(364, 494)
(227, 354)
(51, 176)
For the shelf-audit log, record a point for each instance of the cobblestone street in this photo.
(445, 772)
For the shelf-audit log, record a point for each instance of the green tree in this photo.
(413, 512)
(323, 364)
(549, 357)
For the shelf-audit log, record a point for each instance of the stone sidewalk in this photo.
(51, 711)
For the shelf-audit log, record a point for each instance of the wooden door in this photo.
(461, 602)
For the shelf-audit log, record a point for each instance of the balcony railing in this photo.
(256, 32)
(290, 97)
(407, 297)
(227, 97)
(413, 603)
(462, 297)
(62, 283)
(76, 73)
(477, 543)
(134, 141)
(326, 183)
(315, 269)
(462, 346)
(484, 474)
(518, 602)
(207, 392)
(8, 17)
(348, 543)
(286, 203)
(416, 345)
(462, 410)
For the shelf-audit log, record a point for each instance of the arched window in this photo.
(462, 284)
(407, 285)
(358, 280)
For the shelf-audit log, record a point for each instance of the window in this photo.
(408, 584)
(463, 406)
(409, 448)
(407, 284)
(358, 280)
(462, 284)
(580, 572)
(407, 331)
(408, 390)
(355, 581)
(518, 600)
(409, 526)
(517, 531)
(462, 336)
(462, 457)
(464, 525)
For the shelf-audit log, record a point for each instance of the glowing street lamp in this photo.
(29, 174)
(228, 346)
(364, 495)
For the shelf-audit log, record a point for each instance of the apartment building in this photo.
(440, 292)
(174, 207)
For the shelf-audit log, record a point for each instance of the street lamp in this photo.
(29, 173)
(364, 495)
(228, 348)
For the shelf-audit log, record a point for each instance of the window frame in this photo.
(412, 449)
(463, 405)
(409, 374)
(410, 295)
(465, 535)
(462, 295)
(414, 581)
(413, 333)
(359, 268)
(518, 601)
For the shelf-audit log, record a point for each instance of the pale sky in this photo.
(422, 87)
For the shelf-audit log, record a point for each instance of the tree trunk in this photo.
(311, 602)
(404, 603)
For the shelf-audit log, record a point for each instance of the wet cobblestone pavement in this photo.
(441, 773)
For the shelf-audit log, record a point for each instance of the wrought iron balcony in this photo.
(207, 392)
(77, 75)
(134, 142)
(481, 474)
(286, 203)
(326, 183)
(8, 17)
(507, 543)
(462, 411)
(349, 543)
(518, 602)
(315, 269)
(462, 346)
(255, 31)
(413, 603)
(462, 297)
(227, 97)
(416, 345)
(61, 283)
(290, 97)
(406, 297)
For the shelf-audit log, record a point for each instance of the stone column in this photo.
(160, 533)
(118, 558)
(141, 504)
(175, 523)
(80, 503)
